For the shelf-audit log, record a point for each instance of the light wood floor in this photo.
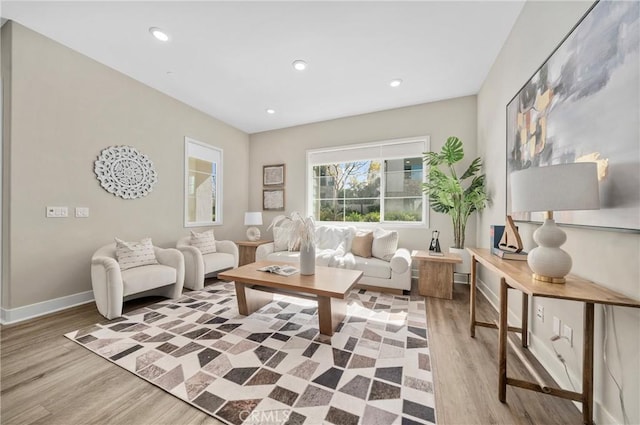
(47, 379)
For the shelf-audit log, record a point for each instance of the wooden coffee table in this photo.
(329, 286)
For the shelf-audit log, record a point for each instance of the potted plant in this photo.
(448, 193)
(298, 231)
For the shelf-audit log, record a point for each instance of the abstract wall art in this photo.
(583, 104)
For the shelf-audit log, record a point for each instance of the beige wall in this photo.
(607, 258)
(66, 108)
(454, 117)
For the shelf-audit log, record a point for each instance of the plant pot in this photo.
(465, 266)
(307, 259)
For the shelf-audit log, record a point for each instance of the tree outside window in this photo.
(368, 191)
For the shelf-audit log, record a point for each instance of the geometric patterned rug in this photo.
(273, 367)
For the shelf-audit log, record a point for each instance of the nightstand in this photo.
(248, 251)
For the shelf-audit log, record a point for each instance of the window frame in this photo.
(370, 145)
(218, 159)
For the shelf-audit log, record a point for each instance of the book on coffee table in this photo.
(281, 270)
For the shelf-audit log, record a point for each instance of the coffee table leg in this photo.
(331, 311)
(251, 300)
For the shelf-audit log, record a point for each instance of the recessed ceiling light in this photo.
(159, 34)
(299, 65)
(270, 111)
(395, 83)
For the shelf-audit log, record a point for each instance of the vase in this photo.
(307, 259)
(465, 266)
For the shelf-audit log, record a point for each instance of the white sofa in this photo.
(333, 249)
(198, 265)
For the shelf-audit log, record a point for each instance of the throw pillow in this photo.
(135, 254)
(385, 244)
(362, 244)
(280, 242)
(205, 242)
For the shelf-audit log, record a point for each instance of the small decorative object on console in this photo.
(496, 235)
(510, 241)
(434, 246)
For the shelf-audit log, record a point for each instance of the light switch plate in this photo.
(57, 212)
(568, 333)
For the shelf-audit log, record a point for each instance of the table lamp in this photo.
(553, 188)
(253, 219)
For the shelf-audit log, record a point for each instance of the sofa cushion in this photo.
(385, 244)
(205, 241)
(373, 267)
(362, 243)
(286, 256)
(135, 254)
(217, 261)
(140, 279)
(330, 237)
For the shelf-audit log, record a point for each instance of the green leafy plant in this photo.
(447, 192)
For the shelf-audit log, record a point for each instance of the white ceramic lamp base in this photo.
(253, 234)
(548, 261)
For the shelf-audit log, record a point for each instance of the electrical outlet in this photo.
(82, 212)
(567, 332)
(540, 312)
(556, 326)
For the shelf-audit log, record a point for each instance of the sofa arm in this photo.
(173, 258)
(401, 261)
(263, 250)
(228, 247)
(106, 280)
(193, 267)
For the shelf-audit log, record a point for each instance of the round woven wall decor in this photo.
(125, 172)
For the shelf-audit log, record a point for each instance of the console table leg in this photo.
(472, 298)
(502, 341)
(525, 320)
(587, 366)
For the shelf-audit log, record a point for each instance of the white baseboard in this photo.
(15, 315)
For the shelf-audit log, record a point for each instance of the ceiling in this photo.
(233, 59)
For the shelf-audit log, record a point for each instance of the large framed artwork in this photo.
(583, 104)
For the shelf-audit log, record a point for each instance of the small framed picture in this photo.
(273, 175)
(273, 199)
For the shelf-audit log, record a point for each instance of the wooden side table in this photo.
(248, 251)
(435, 273)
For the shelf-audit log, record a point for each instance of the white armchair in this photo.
(112, 286)
(198, 265)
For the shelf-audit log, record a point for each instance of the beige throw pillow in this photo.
(385, 244)
(205, 242)
(135, 254)
(362, 244)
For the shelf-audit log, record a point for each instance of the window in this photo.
(203, 184)
(378, 182)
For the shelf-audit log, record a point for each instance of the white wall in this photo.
(65, 108)
(608, 258)
(439, 120)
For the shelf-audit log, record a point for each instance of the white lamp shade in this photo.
(253, 219)
(556, 188)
